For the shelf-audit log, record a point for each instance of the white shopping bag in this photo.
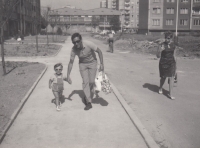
(98, 80)
(102, 83)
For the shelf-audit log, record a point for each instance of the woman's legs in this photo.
(162, 81)
(171, 84)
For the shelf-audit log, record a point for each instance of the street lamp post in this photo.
(176, 33)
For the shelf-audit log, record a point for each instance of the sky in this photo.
(83, 4)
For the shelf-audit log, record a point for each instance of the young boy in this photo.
(56, 84)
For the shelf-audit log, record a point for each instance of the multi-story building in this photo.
(25, 16)
(129, 12)
(83, 18)
(103, 4)
(162, 15)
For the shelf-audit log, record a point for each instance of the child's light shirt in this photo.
(57, 82)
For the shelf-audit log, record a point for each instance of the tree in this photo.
(6, 10)
(115, 23)
(45, 20)
(95, 21)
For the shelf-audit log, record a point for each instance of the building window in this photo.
(184, 1)
(156, 22)
(156, 10)
(170, 1)
(183, 22)
(196, 22)
(170, 10)
(169, 22)
(196, 1)
(156, 1)
(184, 11)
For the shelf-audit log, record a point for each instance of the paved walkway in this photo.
(39, 125)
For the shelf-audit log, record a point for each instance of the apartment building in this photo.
(129, 12)
(77, 17)
(103, 4)
(24, 17)
(161, 15)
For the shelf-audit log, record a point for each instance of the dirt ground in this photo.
(13, 86)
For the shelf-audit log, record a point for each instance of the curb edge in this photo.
(22, 103)
(142, 130)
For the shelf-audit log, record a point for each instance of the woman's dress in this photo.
(167, 64)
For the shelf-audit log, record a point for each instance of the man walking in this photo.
(110, 41)
(85, 50)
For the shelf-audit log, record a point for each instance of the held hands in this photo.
(68, 79)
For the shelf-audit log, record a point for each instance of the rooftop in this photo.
(97, 11)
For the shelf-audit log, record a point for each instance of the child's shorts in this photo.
(57, 87)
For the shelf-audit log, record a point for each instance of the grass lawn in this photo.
(14, 86)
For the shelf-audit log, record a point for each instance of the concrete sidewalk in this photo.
(39, 125)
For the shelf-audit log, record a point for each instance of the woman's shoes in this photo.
(160, 91)
(58, 108)
(171, 97)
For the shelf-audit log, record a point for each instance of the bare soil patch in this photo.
(15, 85)
(189, 46)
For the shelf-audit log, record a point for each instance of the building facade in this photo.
(129, 12)
(24, 18)
(99, 17)
(103, 4)
(162, 15)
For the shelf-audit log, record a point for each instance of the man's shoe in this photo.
(88, 106)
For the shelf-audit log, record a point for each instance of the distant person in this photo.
(110, 41)
(167, 63)
(85, 50)
(57, 85)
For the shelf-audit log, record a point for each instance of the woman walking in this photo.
(167, 64)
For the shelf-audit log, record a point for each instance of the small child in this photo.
(56, 84)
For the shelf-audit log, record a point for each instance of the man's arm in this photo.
(70, 65)
(101, 59)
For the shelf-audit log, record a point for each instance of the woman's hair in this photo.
(76, 35)
(57, 65)
(168, 34)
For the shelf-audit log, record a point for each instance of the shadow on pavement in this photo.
(99, 100)
(62, 100)
(155, 89)
(80, 93)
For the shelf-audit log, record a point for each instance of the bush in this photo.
(59, 31)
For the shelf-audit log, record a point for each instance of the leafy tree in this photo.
(59, 31)
(95, 21)
(114, 21)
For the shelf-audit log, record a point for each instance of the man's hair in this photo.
(76, 35)
(57, 65)
(168, 34)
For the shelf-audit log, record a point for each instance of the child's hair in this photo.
(57, 65)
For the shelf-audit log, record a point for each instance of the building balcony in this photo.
(196, 13)
(127, 8)
(196, 5)
(127, 3)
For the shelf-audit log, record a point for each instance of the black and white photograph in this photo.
(99, 74)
